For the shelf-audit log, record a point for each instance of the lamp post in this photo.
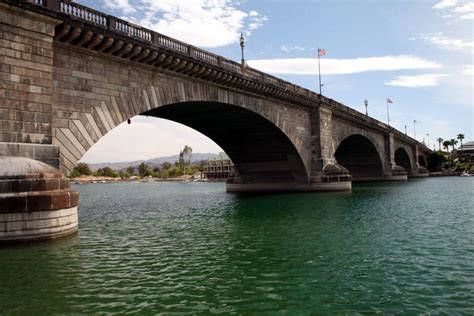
(366, 103)
(428, 139)
(414, 129)
(405, 129)
(242, 45)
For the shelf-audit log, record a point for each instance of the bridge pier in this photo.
(35, 201)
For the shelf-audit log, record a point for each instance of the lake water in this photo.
(191, 248)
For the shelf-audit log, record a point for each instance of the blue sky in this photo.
(417, 53)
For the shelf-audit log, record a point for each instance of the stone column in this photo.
(419, 170)
(26, 85)
(393, 172)
(326, 174)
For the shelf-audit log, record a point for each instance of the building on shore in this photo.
(467, 149)
(219, 167)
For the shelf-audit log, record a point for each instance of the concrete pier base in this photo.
(290, 187)
(35, 201)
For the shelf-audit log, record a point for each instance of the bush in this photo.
(74, 174)
(436, 160)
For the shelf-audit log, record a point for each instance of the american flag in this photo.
(321, 52)
(389, 100)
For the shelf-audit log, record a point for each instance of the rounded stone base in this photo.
(289, 187)
(419, 175)
(34, 225)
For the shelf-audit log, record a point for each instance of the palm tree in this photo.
(453, 143)
(460, 137)
(446, 145)
(440, 140)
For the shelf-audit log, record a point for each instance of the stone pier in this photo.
(35, 201)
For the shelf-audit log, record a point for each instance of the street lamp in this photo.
(414, 130)
(366, 105)
(428, 138)
(242, 45)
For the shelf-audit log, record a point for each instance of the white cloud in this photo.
(468, 70)
(147, 138)
(469, 16)
(445, 4)
(309, 66)
(440, 40)
(288, 49)
(122, 5)
(417, 81)
(203, 23)
(465, 8)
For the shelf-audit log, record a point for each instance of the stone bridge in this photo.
(70, 74)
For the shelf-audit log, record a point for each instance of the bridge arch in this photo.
(422, 161)
(260, 151)
(402, 159)
(359, 155)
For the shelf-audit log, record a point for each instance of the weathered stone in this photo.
(35, 201)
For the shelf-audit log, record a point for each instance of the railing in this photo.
(206, 56)
(273, 80)
(171, 44)
(82, 12)
(132, 30)
(254, 74)
(232, 65)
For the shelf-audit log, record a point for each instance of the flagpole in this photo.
(319, 72)
(388, 116)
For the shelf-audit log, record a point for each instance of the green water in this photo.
(191, 248)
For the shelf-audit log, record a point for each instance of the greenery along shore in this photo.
(166, 170)
(448, 162)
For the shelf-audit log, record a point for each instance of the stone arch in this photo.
(360, 156)
(422, 161)
(105, 92)
(402, 159)
(260, 151)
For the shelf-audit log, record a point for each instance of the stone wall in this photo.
(26, 72)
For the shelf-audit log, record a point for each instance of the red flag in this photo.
(321, 52)
(389, 101)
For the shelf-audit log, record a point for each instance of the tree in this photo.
(440, 140)
(166, 165)
(185, 157)
(453, 143)
(130, 170)
(436, 160)
(174, 172)
(99, 172)
(460, 137)
(144, 170)
(74, 173)
(446, 144)
(109, 172)
(124, 175)
(83, 169)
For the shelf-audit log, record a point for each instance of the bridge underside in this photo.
(360, 157)
(263, 155)
(403, 160)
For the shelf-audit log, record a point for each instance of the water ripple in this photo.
(191, 248)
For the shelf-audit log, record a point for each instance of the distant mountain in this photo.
(154, 162)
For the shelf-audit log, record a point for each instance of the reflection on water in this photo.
(192, 248)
